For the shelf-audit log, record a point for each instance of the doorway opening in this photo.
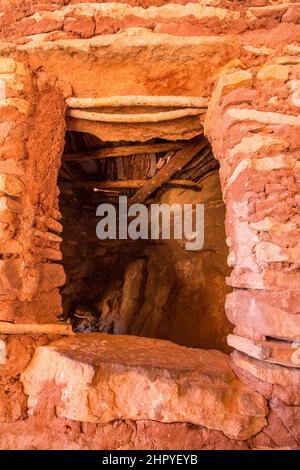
(150, 288)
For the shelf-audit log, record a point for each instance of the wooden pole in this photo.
(135, 100)
(126, 151)
(131, 184)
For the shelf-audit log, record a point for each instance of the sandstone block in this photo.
(270, 279)
(248, 309)
(10, 281)
(51, 254)
(10, 247)
(289, 395)
(239, 78)
(2, 351)
(51, 276)
(277, 162)
(54, 225)
(11, 82)
(12, 402)
(56, 214)
(5, 127)
(249, 347)
(269, 252)
(20, 69)
(8, 209)
(49, 236)
(109, 377)
(44, 308)
(12, 167)
(21, 105)
(295, 98)
(268, 224)
(5, 233)
(264, 388)
(239, 114)
(10, 185)
(289, 416)
(7, 65)
(255, 143)
(276, 352)
(275, 436)
(274, 72)
(271, 373)
(82, 25)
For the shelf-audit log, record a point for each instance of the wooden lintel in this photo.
(125, 151)
(132, 184)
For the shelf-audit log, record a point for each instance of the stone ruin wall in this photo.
(252, 123)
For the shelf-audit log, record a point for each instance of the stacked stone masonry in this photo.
(253, 84)
(257, 111)
(74, 19)
(30, 243)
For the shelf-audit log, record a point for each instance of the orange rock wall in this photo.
(32, 139)
(253, 126)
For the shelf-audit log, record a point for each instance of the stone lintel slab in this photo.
(105, 378)
(182, 59)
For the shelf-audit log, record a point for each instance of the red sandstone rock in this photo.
(265, 388)
(275, 435)
(271, 373)
(257, 310)
(259, 184)
(290, 417)
(138, 371)
(84, 26)
(288, 394)
(10, 280)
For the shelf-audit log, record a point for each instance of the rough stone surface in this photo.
(271, 373)
(104, 378)
(259, 311)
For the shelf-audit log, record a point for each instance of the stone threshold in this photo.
(103, 378)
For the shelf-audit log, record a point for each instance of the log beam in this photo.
(132, 184)
(7, 328)
(135, 100)
(126, 151)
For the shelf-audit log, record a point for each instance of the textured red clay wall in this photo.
(32, 140)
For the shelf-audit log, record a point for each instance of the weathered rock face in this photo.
(30, 156)
(16, 354)
(252, 122)
(282, 386)
(104, 378)
(185, 291)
